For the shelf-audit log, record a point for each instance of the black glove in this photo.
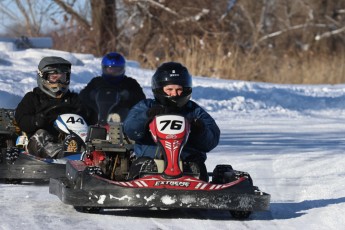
(156, 110)
(197, 126)
(40, 120)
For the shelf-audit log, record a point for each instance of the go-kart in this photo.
(17, 164)
(100, 179)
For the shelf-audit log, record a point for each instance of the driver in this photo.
(53, 79)
(172, 90)
(113, 77)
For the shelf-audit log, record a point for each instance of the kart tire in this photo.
(13, 181)
(240, 215)
(87, 209)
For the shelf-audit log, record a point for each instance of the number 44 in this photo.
(73, 120)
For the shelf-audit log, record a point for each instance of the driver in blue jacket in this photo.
(53, 78)
(172, 90)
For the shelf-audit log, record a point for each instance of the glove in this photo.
(155, 110)
(160, 109)
(197, 126)
(40, 120)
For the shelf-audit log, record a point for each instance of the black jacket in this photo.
(129, 90)
(37, 101)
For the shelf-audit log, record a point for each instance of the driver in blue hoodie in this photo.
(172, 90)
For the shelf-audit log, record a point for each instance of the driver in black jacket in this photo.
(114, 79)
(53, 79)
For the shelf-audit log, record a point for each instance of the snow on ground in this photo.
(290, 138)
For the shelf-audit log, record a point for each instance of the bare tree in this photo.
(104, 25)
(25, 17)
(102, 30)
(206, 35)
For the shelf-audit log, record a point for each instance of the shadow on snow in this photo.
(280, 211)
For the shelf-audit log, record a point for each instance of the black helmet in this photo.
(49, 65)
(172, 73)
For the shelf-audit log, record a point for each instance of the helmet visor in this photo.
(113, 70)
(55, 77)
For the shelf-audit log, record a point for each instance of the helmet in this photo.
(53, 65)
(113, 67)
(172, 73)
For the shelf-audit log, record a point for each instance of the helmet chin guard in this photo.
(173, 101)
(56, 90)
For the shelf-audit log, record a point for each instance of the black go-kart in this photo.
(100, 179)
(16, 164)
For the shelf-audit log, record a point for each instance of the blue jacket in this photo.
(198, 144)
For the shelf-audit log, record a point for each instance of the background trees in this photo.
(299, 41)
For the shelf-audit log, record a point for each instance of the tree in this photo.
(102, 30)
(212, 37)
(25, 17)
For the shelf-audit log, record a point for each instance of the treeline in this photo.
(280, 41)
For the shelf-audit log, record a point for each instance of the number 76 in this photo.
(174, 124)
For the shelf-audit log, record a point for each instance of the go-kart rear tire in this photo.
(13, 181)
(87, 209)
(240, 215)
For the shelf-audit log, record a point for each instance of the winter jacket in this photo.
(36, 101)
(198, 144)
(129, 90)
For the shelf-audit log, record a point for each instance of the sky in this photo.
(46, 14)
(289, 138)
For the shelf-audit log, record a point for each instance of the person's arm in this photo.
(135, 124)
(85, 93)
(131, 93)
(25, 114)
(205, 133)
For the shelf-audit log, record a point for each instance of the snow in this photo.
(290, 138)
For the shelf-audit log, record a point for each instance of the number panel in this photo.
(170, 124)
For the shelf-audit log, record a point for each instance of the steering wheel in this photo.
(106, 100)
